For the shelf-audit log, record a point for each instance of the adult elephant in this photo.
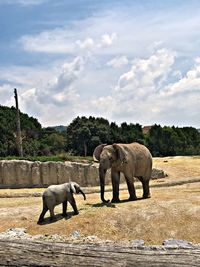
(133, 160)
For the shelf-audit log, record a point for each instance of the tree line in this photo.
(83, 134)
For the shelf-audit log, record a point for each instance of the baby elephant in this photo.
(57, 194)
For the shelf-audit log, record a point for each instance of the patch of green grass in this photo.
(62, 158)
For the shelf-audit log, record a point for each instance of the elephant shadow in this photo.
(101, 204)
(110, 204)
(128, 200)
(56, 218)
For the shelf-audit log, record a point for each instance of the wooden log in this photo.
(27, 252)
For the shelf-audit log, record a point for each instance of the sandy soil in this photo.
(172, 212)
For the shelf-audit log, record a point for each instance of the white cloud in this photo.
(177, 74)
(28, 102)
(104, 105)
(145, 73)
(108, 39)
(64, 41)
(142, 94)
(118, 62)
(60, 90)
(190, 82)
(53, 41)
(23, 2)
(54, 98)
(121, 32)
(24, 76)
(6, 94)
(88, 43)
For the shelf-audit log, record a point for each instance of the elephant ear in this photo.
(72, 187)
(121, 153)
(97, 152)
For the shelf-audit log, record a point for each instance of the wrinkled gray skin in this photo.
(57, 194)
(133, 160)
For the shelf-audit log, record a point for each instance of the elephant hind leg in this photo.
(131, 188)
(41, 218)
(64, 208)
(145, 185)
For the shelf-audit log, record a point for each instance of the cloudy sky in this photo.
(124, 60)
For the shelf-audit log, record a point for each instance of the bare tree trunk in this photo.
(85, 148)
(19, 138)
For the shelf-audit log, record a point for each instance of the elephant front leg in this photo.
(64, 208)
(131, 188)
(115, 184)
(73, 203)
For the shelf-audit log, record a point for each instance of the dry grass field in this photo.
(172, 212)
(179, 168)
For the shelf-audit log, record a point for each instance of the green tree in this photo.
(115, 136)
(131, 133)
(153, 140)
(52, 141)
(83, 134)
(30, 130)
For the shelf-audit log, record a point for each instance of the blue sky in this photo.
(133, 61)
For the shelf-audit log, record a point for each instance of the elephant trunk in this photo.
(82, 194)
(102, 173)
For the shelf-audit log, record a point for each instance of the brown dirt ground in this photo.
(172, 212)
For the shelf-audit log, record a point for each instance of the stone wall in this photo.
(22, 173)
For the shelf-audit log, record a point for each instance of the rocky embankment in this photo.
(76, 237)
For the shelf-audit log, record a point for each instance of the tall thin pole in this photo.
(19, 137)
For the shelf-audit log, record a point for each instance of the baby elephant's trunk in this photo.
(82, 194)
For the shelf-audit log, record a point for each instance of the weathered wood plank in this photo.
(38, 253)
